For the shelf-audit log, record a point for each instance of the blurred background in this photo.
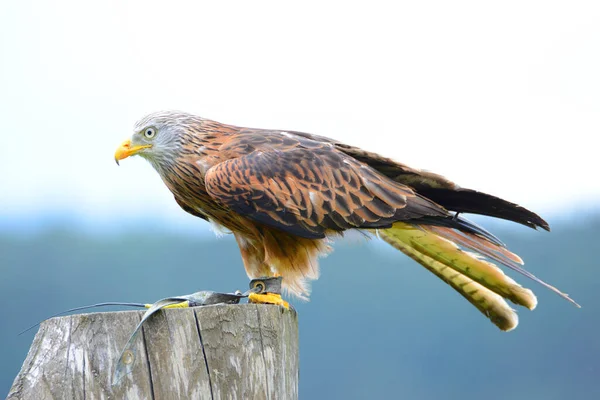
(499, 97)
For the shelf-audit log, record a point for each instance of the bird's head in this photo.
(159, 137)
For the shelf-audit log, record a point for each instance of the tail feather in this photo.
(489, 303)
(496, 253)
(448, 253)
(481, 282)
(462, 224)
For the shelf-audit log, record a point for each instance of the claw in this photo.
(268, 298)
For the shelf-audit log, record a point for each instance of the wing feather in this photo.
(438, 188)
(309, 190)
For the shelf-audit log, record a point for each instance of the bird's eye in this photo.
(149, 133)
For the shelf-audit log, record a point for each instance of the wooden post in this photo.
(243, 351)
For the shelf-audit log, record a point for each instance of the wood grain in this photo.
(244, 351)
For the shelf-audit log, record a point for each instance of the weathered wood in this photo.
(244, 351)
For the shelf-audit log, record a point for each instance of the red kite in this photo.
(284, 194)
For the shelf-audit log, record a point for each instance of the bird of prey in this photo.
(285, 194)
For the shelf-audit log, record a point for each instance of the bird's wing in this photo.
(438, 188)
(308, 189)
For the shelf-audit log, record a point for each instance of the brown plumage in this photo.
(283, 194)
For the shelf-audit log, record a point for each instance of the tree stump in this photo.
(242, 351)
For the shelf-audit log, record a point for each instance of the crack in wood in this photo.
(212, 396)
(148, 363)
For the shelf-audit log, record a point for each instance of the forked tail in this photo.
(458, 259)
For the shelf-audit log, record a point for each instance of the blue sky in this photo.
(500, 97)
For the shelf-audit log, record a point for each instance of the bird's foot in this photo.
(268, 298)
(267, 291)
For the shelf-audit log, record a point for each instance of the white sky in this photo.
(498, 96)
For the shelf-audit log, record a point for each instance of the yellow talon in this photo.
(268, 298)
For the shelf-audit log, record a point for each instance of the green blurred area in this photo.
(378, 325)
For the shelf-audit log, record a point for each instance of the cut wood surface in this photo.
(243, 351)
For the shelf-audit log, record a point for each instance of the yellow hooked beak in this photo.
(125, 150)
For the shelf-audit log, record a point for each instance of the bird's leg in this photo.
(267, 290)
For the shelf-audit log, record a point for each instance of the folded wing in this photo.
(308, 192)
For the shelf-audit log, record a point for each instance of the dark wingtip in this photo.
(474, 202)
(531, 219)
(544, 225)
